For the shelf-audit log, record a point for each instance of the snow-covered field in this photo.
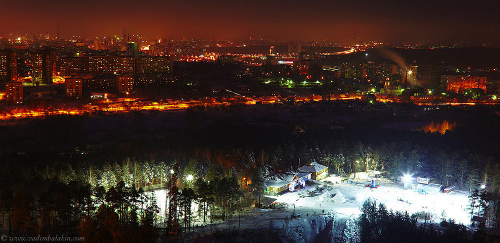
(347, 199)
(329, 215)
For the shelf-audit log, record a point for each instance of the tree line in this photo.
(49, 207)
(378, 224)
(108, 203)
(229, 153)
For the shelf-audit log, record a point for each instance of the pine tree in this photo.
(473, 201)
(351, 231)
(258, 184)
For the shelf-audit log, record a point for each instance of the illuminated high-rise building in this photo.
(460, 84)
(154, 65)
(123, 65)
(109, 65)
(74, 87)
(14, 93)
(125, 84)
(42, 66)
(377, 71)
(133, 49)
(8, 66)
(431, 73)
(351, 70)
(100, 64)
(70, 66)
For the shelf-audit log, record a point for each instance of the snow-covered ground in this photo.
(439, 205)
(345, 200)
(325, 214)
(319, 202)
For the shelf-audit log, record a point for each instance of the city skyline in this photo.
(216, 121)
(422, 22)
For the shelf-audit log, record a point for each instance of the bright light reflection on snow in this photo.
(439, 205)
(161, 201)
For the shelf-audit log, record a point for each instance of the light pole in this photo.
(406, 180)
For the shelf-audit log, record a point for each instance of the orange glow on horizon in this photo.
(441, 128)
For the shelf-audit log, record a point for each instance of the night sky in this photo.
(422, 21)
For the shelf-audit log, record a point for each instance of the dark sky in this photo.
(422, 21)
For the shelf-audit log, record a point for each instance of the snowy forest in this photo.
(97, 191)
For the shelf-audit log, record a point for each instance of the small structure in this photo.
(335, 197)
(317, 171)
(423, 180)
(478, 220)
(448, 189)
(299, 179)
(266, 202)
(281, 182)
(372, 185)
(274, 186)
(430, 188)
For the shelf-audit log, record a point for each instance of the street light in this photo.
(189, 177)
(407, 178)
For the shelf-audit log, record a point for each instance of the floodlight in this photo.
(407, 177)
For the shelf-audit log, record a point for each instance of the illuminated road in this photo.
(134, 104)
(128, 104)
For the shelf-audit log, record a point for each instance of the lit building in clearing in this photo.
(74, 88)
(459, 83)
(279, 183)
(8, 66)
(317, 171)
(14, 93)
(125, 84)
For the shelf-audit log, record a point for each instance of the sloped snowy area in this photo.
(331, 228)
(347, 199)
(307, 229)
(318, 228)
(328, 213)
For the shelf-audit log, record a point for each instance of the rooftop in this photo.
(279, 180)
(312, 168)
